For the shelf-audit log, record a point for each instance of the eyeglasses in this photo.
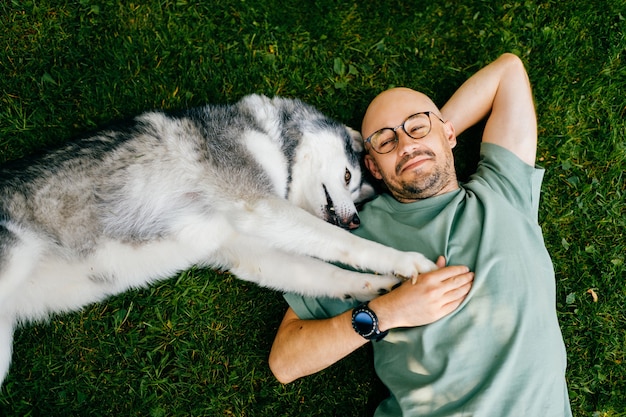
(415, 126)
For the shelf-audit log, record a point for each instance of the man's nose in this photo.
(406, 144)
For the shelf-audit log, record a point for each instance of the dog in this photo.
(256, 188)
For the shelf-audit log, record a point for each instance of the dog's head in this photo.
(326, 176)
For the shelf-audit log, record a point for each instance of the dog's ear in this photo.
(357, 139)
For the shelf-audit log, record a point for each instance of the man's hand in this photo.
(433, 296)
(303, 347)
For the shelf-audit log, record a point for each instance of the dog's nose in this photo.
(355, 222)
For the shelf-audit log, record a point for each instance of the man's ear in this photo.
(450, 133)
(372, 166)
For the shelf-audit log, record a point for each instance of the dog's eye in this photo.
(347, 176)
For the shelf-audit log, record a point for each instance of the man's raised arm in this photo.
(502, 91)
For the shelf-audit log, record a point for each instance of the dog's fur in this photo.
(243, 187)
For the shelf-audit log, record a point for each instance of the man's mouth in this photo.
(413, 160)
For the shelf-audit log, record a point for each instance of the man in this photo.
(494, 351)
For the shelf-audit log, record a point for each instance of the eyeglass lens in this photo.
(416, 126)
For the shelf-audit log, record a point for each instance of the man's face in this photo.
(416, 168)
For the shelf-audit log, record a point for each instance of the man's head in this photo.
(416, 168)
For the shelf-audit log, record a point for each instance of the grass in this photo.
(197, 345)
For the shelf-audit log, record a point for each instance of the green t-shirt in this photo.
(501, 353)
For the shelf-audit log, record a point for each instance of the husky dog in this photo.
(251, 188)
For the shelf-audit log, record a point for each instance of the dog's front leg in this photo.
(289, 228)
(251, 259)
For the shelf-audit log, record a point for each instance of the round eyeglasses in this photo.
(415, 126)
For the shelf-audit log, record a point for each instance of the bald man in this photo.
(455, 343)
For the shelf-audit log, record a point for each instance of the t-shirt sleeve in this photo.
(503, 172)
(308, 308)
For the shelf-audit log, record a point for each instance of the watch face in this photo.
(363, 323)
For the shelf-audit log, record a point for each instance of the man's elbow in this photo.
(281, 369)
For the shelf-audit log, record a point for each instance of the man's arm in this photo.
(502, 91)
(303, 347)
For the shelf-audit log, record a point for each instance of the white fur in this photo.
(271, 159)
(152, 206)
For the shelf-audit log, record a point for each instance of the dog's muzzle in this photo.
(352, 221)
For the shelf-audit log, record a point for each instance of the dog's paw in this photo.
(416, 264)
(373, 286)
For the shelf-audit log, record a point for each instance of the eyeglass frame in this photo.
(395, 129)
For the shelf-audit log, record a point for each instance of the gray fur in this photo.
(243, 187)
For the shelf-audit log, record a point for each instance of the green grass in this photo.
(197, 345)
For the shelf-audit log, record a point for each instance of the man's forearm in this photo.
(502, 91)
(304, 347)
(473, 100)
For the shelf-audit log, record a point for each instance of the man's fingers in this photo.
(458, 286)
(442, 278)
(449, 272)
(456, 297)
(457, 277)
(457, 294)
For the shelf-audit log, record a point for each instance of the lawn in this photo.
(197, 345)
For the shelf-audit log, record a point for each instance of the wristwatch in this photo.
(365, 323)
